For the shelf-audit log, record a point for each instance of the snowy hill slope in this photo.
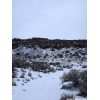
(37, 71)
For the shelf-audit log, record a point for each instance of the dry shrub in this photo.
(14, 82)
(14, 75)
(67, 97)
(29, 74)
(22, 75)
(60, 55)
(41, 67)
(27, 79)
(19, 62)
(83, 83)
(73, 76)
(79, 80)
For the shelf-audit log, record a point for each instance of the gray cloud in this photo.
(65, 19)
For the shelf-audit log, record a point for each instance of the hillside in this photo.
(46, 43)
(39, 64)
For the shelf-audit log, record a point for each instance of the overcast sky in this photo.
(53, 19)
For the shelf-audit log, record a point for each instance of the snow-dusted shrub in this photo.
(14, 75)
(19, 62)
(73, 76)
(36, 56)
(83, 75)
(83, 84)
(76, 54)
(69, 86)
(83, 88)
(60, 55)
(27, 79)
(67, 97)
(14, 82)
(84, 66)
(22, 75)
(50, 69)
(78, 79)
(67, 66)
(67, 51)
(32, 78)
(46, 55)
(55, 63)
(23, 70)
(18, 79)
(55, 56)
(29, 74)
(39, 75)
(41, 67)
(52, 49)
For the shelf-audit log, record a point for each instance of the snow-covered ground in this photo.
(42, 87)
(46, 86)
